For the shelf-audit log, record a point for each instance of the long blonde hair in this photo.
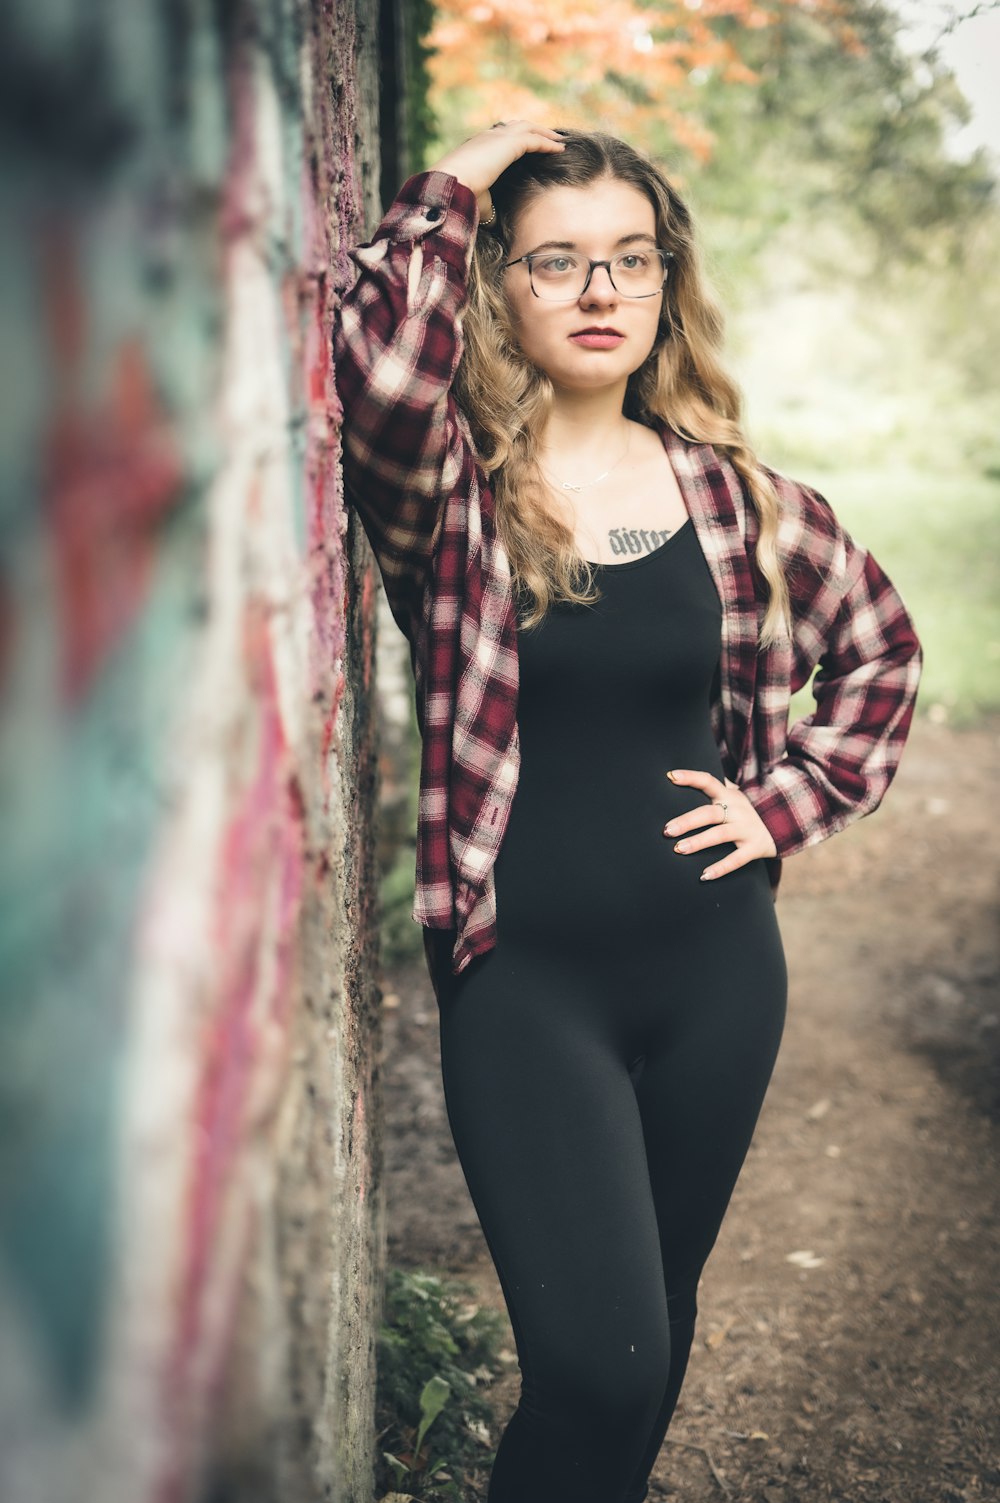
(507, 399)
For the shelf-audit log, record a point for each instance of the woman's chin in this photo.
(593, 377)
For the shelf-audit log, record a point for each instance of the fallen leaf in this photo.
(716, 1338)
(804, 1258)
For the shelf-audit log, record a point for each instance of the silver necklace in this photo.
(567, 485)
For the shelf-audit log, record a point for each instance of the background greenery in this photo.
(855, 253)
(857, 259)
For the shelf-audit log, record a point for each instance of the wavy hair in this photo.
(507, 399)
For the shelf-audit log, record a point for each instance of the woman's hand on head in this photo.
(740, 823)
(479, 161)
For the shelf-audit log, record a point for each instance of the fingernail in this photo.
(705, 877)
(671, 777)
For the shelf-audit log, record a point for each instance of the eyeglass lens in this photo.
(634, 274)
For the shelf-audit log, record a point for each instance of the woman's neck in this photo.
(585, 428)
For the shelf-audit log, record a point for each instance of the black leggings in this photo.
(601, 1118)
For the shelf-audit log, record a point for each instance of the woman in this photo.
(609, 602)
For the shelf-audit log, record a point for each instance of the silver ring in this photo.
(724, 808)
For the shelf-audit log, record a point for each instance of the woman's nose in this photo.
(601, 286)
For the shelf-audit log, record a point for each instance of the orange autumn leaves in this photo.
(625, 68)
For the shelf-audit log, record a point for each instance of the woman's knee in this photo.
(619, 1388)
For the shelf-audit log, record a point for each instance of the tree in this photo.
(633, 67)
(785, 110)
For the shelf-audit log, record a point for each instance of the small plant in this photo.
(436, 1347)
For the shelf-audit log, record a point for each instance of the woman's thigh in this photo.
(549, 1135)
(704, 1078)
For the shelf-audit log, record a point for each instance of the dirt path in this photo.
(868, 1368)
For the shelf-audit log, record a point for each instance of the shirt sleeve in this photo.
(397, 343)
(839, 760)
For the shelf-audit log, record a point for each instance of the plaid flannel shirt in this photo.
(410, 468)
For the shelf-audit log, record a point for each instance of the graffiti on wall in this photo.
(178, 635)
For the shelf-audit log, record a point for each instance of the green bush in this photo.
(436, 1350)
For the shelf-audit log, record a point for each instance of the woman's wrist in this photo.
(480, 160)
(483, 200)
(453, 167)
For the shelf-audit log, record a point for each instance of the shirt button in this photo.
(434, 214)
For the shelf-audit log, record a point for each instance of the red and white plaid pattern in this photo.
(411, 470)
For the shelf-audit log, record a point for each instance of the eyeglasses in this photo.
(562, 278)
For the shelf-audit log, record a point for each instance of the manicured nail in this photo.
(706, 877)
(669, 829)
(681, 846)
(671, 777)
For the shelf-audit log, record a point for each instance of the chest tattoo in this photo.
(631, 541)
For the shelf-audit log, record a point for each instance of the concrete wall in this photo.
(191, 1206)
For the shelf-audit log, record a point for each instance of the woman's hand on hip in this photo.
(479, 161)
(738, 822)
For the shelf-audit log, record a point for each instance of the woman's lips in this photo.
(594, 341)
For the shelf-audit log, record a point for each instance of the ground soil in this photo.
(848, 1345)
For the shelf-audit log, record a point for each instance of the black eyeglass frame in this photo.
(668, 256)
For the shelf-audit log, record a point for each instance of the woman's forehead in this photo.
(581, 215)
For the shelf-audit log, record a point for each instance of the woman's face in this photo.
(602, 220)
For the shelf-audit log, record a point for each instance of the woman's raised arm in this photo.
(397, 344)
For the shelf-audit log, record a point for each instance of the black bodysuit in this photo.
(605, 1063)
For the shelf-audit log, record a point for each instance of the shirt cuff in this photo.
(791, 810)
(437, 203)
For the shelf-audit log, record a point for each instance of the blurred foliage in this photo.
(855, 252)
(418, 18)
(790, 112)
(437, 1352)
(401, 938)
(855, 133)
(938, 534)
(632, 66)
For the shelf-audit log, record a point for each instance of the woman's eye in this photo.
(633, 261)
(557, 263)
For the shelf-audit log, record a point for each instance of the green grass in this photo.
(937, 536)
